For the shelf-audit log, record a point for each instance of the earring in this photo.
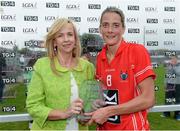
(55, 49)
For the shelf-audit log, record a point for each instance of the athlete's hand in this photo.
(98, 104)
(99, 116)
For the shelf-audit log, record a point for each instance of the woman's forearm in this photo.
(58, 114)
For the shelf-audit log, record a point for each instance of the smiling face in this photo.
(65, 39)
(111, 28)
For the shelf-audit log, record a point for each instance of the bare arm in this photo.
(145, 100)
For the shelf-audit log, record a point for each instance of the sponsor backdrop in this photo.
(24, 24)
(153, 23)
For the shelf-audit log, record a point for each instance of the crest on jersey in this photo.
(124, 75)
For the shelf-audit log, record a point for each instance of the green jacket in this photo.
(48, 91)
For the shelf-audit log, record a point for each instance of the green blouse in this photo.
(48, 91)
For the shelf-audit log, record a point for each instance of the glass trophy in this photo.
(91, 93)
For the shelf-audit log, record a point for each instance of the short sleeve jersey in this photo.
(128, 68)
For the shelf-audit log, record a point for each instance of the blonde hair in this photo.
(49, 45)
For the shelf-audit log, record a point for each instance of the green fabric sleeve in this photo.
(35, 102)
(91, 71)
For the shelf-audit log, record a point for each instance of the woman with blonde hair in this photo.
(53, 93)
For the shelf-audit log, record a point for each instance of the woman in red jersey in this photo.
(126, 70)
